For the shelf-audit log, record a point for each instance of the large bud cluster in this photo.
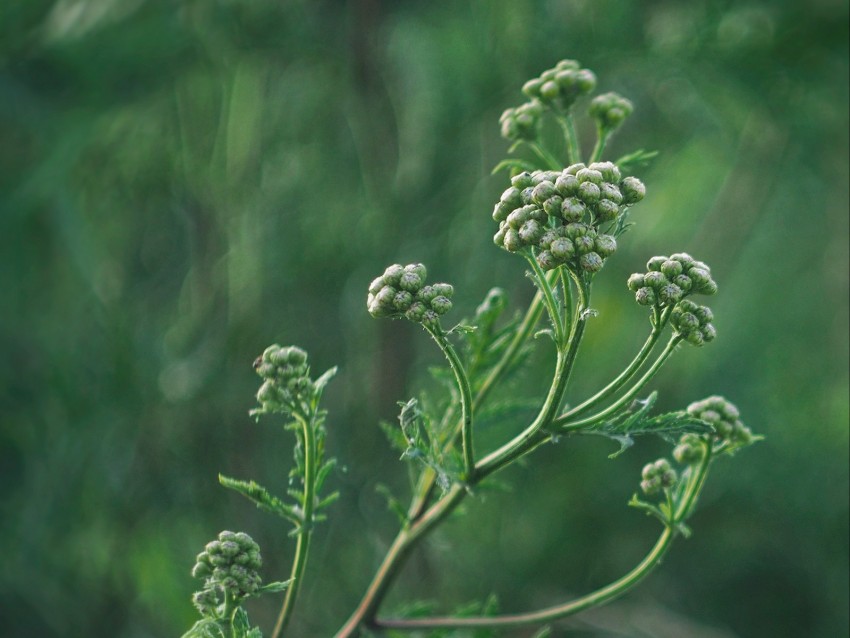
(725, 418)
(559, 214)
(690, 449)
(693, 322)
(229, 568)
(609, 110)
(286, 377)
(522, 122)
(561, 86)
(657, 476)
(401, 291)
(670, 279)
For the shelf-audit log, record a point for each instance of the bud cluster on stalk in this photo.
(229, 568)
(609, 110)
(668, 280)
(401, 292)
(693, 322)
(286, 378)
(724, 417)
(559, 214)
(657, 476)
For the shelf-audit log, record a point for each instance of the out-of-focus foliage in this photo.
(182, 184)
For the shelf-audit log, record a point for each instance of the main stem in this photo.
(302, 545)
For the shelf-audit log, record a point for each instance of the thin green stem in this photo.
(549, 160)
(593, 599)
(465, 398)
(549, 299)
(602, 136)
(570, 137)
(302, 544)
(563, 423)
(567, 305)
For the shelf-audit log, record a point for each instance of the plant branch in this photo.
(570, 137)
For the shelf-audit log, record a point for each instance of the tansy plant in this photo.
(565, 219)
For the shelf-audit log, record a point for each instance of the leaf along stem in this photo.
(570, 137)
(549, 299)
(602, 136)
(546, 157)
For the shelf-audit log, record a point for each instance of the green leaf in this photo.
(641, 157)
(320, 383)
(637, 422)
(393, 503)
(206, 628)
(513, 163)
(261, 497)
(273, 588)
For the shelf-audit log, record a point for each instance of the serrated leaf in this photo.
(323, 473)
(261, 497)
(206, 628)
(320, 383)
(273, 588)
(330, 498)
(640, 157)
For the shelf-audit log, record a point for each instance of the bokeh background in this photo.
(184, 183)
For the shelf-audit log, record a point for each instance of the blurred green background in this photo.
(184, 183)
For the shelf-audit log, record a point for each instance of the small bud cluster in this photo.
(690, 449)
(610, 110)
(669, 279)
(229, 568)
(561, 86)
(286, 377)
(693, 322)
(725, 418)
(657, 476)
(401, 291)
(522, 122)
(559, 214)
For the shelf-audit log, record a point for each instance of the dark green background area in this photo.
(182, 184)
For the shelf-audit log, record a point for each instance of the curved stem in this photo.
(545, 286)
(621, 379)
(549, 161)
(593, 599)
(602, 136)
(302, 545)
(570, 137)
(465, 398)
(565, 425)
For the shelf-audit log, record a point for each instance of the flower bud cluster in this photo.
(670, 279)
(401, 291)
(229, 568)
(560, 86)
(559, 214)
(657, 476)
(610, 110)
(522, 122)
(690, 449)
(693, 322)
(286, 377)
(725, 418)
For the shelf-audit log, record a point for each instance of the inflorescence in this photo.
(401, 292)
(725, 418)
(286, 377)
(229, 568)
(560, 214)
(670, 279)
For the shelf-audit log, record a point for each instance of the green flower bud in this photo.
(709, 332)
(589, 192)
(402, 300)
(695, 338)
(655, 263)
(609, 110)
(690, 450)
(552, 206)
(441, 305)
(393, 274)
(591, 262)
(410, 281)
(573, 209)
(684, 282)
(426, 294)
(430, 317)
(512, 241)
(416, 311)
(549, 91)
(583, 244)
(699, 276)
(530, 232)
(562, 249)
(511, 197)
(635, 282)
(708, 288)
(542, 192)
(547, 261)
(500, 212)
(499, 237)
(655, 279)
(633, 190)
(688, 322)
(566, 185)
(605, 245)
(201, 570)
(671, 268)
(573, 169)
(589, 175)
(518, 217)
(445, 290)
(609, 170)
(548, 237)
(606, 210)
(532, 87)
(575, 230)
(585, 81)
(683, 258)
(376, 285)
(385, 298)
(611, 192)
(521, 181)
(669, 294)
(657, 475)
(645, 296)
